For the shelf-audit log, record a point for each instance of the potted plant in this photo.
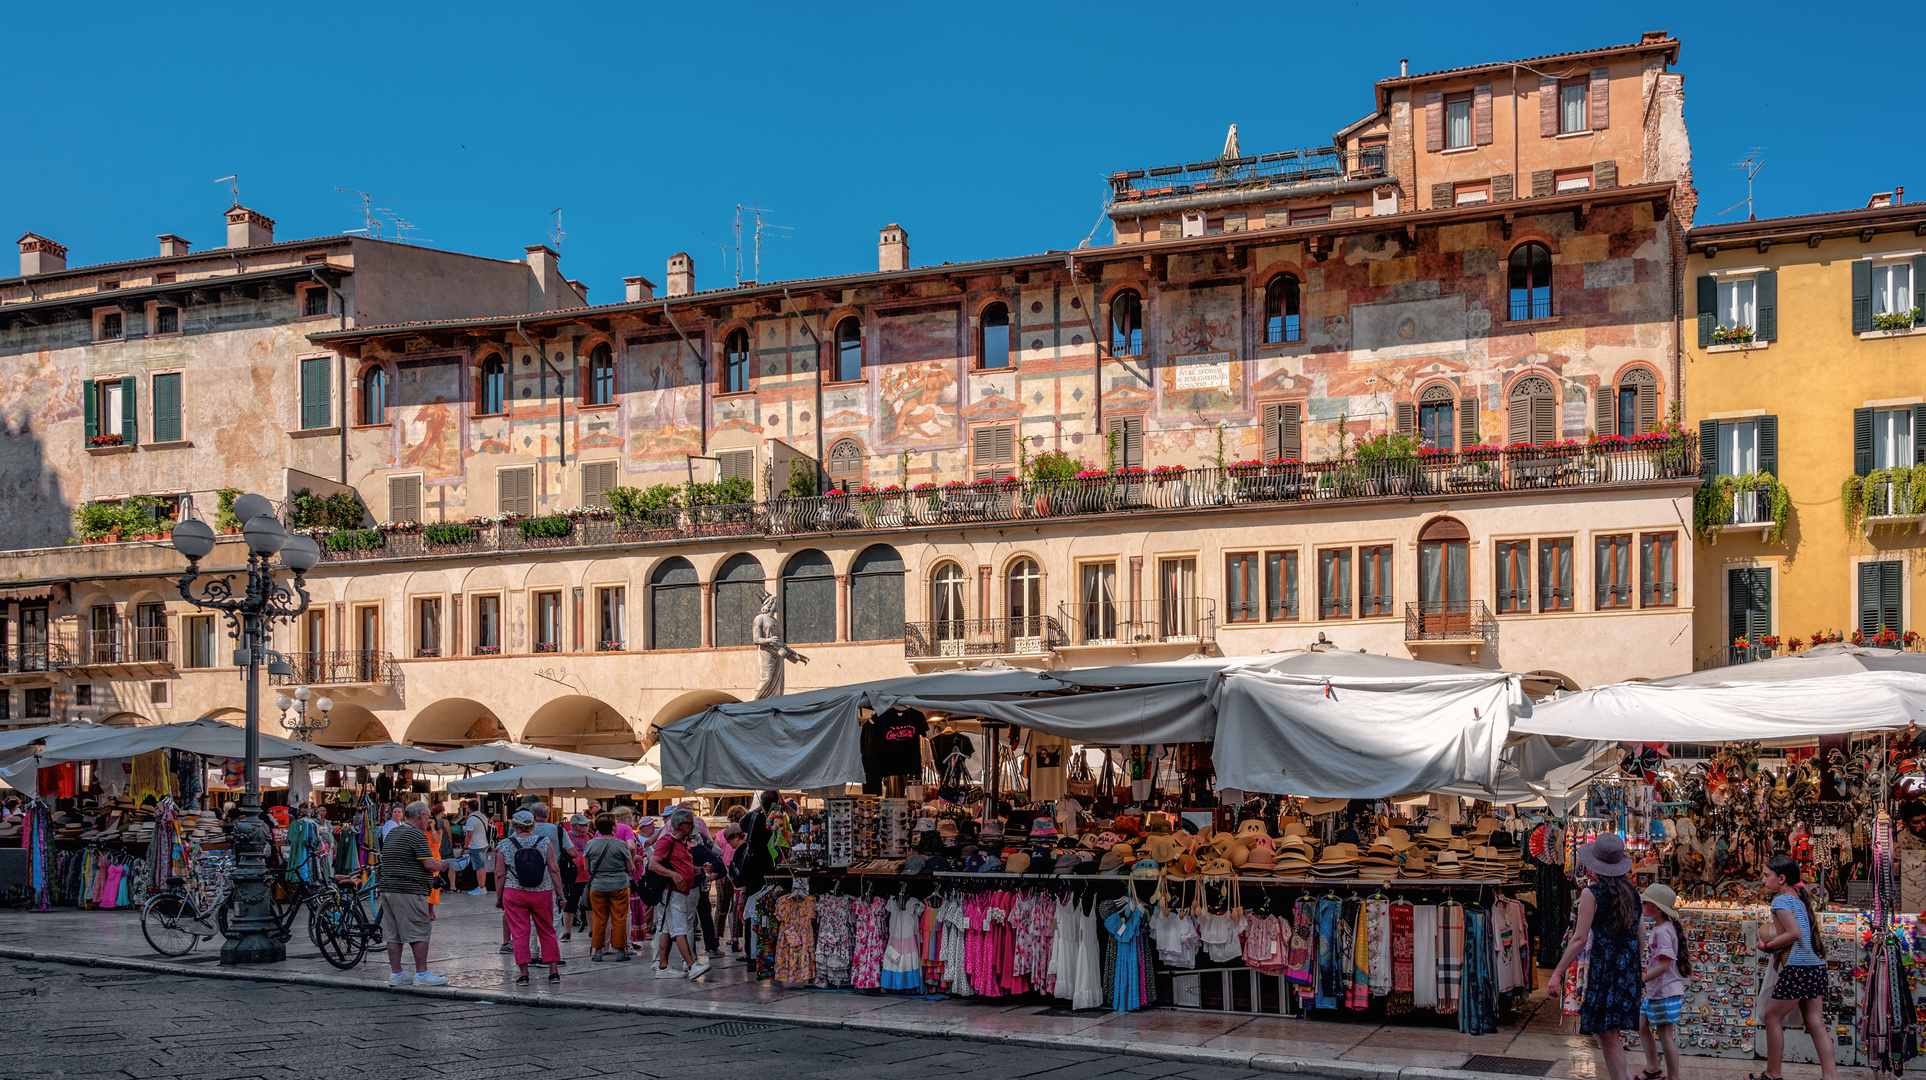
(96, 523)
(1897, 320)
(224, 518)
(925, 504)
(1390, 460)
(1732, 335)
(95, 442)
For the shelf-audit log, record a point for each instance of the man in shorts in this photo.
(670, 856)
(406, 874)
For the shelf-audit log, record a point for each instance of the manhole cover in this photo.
(739, 1027)
(1492, 1063)
(1057, 1011)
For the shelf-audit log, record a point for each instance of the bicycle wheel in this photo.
(166, 921)
(338, 937)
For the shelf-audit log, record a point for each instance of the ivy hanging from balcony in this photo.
(1898, 492)
(1712, 505)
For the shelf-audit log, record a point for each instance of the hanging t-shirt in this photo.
(1049, 757)
(892, 744)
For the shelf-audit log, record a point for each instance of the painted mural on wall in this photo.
(1201, 369)
(917, 401)
(428, 427)
(665, 405)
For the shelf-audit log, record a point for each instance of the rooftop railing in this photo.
(1264, 170)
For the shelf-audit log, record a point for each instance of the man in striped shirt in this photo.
(406, 875)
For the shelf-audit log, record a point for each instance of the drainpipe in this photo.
(341, 365)
(702, 367)
(1096, 339)
(1515, 174)
(561, 398)
(819, 373)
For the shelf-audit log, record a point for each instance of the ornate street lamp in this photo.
(250, 614)
(300, 725)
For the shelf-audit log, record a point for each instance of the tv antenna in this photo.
(758, 231)
(402, 227)
(555, 233)
(1753, 162)
(370, 214)
(233, 183)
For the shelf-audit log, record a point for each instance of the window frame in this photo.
(1859, 568)
(1553, 552)
(1095, 615)
(1472, 193)
(1583, 84)
(1339, 578)
(426, 615)
(308, 293)
(192, 627)
(1032, 598)
(1648, 589)
(106, 317)
(1289, 607)
(483, 602)
(998, 467)
(1728, 284)
(598, 388)
(1891, 265)
(158, 429)
(1512, 562)
(1131, 334)
(847, 462)
(984, 330)
(1610, 591)
(482, 389)
(1452, 102)
(604, 594)
(1242, 570)
(157, 331)
(1885, 442)
(545, 621)
(1532, 309)
(736, 364)
(949, 600)
(1283, 313)
(1380, 561)
(840, 351)
(1568, 180)
(372, 377)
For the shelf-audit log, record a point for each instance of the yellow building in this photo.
(1808, 366)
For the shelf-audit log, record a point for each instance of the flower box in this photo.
(487, 650)
(94, 441)
(547, 647)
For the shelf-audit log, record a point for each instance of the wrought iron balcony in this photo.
(1317, 163)
(1190, 621)
(365, 667)
(32, 657)
(110, 653)
(1893, 502)
(1445, 622)
(963, 638)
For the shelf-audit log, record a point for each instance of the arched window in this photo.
(876, 595)
(846, 463)
(374, 396)
(494, 385)
(1435, 417)
(1532, 413)
(993, 349)
(808, 598)
(947, 612)
(1444, 577)
(1281, 321)
(1631, 407)
(849, 350)
(1531, 280)
(738, 598)
(1026, 599)
(601, 380)
(735, 362)
(1127, 324)
(675, 606)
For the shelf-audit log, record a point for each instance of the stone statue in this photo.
(767, 635)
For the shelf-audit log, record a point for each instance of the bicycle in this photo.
(173, 922)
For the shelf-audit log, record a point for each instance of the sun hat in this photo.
(1252, 827)
(1218, 868)
(1043, 827)
(1018, 863)
(523, 817)
(1662, 897)
(1325, 806)
(1606, 856)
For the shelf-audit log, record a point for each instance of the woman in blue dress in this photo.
(1608, 917)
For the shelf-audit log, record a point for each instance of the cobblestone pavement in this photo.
(94, 1023)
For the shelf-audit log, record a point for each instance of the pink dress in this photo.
(872, 938)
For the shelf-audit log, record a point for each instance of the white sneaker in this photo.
(667, 973)
(397, 979)
(429, 978)
(699, 970)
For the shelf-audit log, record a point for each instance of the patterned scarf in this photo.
(1451, 955)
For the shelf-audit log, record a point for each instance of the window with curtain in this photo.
(200, 641)
(611, 619)
(1574, 113)
(428, 626)
(488, 625)
(1240, 588)
(849, 350)
(1514, 577)
(1444, 577)
(735, 362)
(494, 385)
(1612, 573)
(548, 622)
(1892, 437)
(1530, 269)
(1374, 581)
(1892, 288)
(1126, 324)
(1658, 581)
(1457, 120)
(1555, 575)
(374, 396)
(1334, 583)
(993, 337)
(1177, 596)
(1738, 303)
(601, 380)
(1280, 585)
(1436, 417)
(1282, 322)
(1738, 447)
(947, 602)
(1097, 597)
(1026, 598)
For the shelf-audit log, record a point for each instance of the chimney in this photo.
(681, 275)
(173, 245)
(637, 288)
(1651, 36)
(39, 255)
(1881, 200)
(1404, 68)
(580, 289)
(892, 251)
(246, 228)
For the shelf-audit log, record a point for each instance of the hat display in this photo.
(1252, 827)
(1296, 828)
(1436, 834)
(1043, 828)
(1325, 806)
(1163, 847)
(1446, 865)
(1018, 863)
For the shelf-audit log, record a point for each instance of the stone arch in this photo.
(124, 719)
(454, 722)
(349, 725)
(808, 590)
(689, 704)
(584, 725)
(740, 583)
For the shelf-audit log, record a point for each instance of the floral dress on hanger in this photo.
(796, 942)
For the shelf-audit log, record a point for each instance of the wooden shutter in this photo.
(1290, 430)
(1600, 98)
(1919, 432)
(994, 450)
(1130, 441)
(1709, 447)
(1709, 306)
(731, 464)
(516, 490)
(1879, 596)
(1648, 407)
(1862, 295)
(1547, 106)
(1467, 422)
(1481, 114)
(1544, 419)
(404, 498)
(1607, 419)
(1604, 174)
(1862, 441)
(1501, 188)
(1433, 120)
(597, 478)
(1750, 603)
(1441, 195)
(1542, 183)
(1407, 417)
(90, 407)
(129, 388)
(1768, 427)
(167, 407)
(1767, 328)
(1273, 442)
(1518, 421)
(314, 393)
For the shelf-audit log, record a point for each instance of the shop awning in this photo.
(503, 752)
(1736, 709)
(56, 592)
(210, 738)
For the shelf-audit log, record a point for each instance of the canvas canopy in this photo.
(549, 776)
(1735, 710)
(210, 738)
(503, 752)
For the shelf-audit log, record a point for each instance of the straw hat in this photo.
(1325, 806)
(1219, 867)
(1340, 853)
(1663, 898)
(1252, 828)
(1163, 847)
(1606, 856)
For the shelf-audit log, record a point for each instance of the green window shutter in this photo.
(1890, 586)
(1407, 417)
(1919, 430)
(129, 388)
(90, 402)
(1751, 602)
(1708, 448)
(1467, 422)
(1768, 299)
(1919, 277)
(1709, 306)
(315, 406)
(1868, 597)
(1861, 296)
(1862, 449)
(167, 407)
(1769, 444)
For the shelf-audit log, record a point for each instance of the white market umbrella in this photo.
(503, 752)
(394, 753)
(1818, 662)
(1734, 711)
(549, 776)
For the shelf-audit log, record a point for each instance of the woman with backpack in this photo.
(526, 874)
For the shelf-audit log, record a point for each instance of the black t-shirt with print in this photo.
(892, 744)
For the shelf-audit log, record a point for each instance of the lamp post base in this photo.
(253, 949)
(256, 934)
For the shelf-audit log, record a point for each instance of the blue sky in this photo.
(984, 129)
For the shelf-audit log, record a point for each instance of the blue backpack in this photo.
(530, 864)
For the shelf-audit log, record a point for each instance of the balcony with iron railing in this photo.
(1279, 485)
(1892, 501)
(358, 667)
(32, 658)
(1769, 647)
(1282, 169)
(942, 639)
(1190, 621)
(1449, 622)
